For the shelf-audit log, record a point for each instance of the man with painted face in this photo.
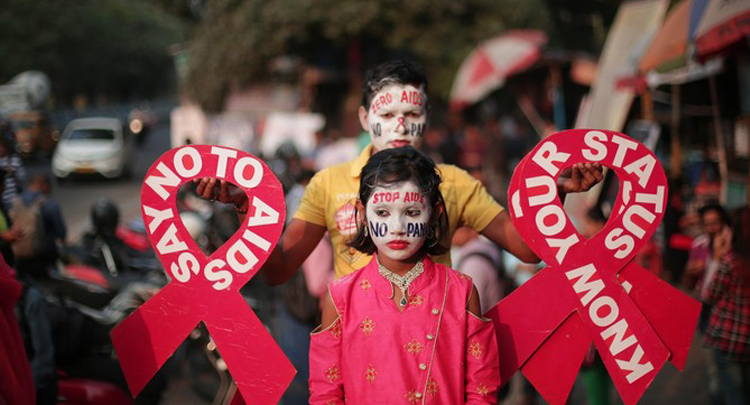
(394, 112)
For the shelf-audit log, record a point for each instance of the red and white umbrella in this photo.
(488, 66)
(723, 23)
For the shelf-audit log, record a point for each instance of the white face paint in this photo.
(397, 117)
(398, 216)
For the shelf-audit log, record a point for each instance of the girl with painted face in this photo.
(403, 329)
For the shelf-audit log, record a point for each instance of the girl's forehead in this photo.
(394, 192)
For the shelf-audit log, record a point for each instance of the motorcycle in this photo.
(89, 373)
(98, 283)
(81, 391)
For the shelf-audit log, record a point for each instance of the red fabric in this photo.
(729, 326)
(16, 383)
(434, 352)
(680, 242)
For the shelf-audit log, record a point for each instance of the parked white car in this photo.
(93, 146)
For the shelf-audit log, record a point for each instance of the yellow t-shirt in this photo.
(329, 201)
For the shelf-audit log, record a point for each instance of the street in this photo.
(76, 196)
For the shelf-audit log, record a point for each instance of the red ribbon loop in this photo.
(591, 290)
(207, 288)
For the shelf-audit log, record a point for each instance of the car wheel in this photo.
(127, 172)
(61, 181)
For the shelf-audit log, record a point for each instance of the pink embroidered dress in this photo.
(434, 352)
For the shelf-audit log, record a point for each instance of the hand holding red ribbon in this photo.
(591, 290)
(207, 288)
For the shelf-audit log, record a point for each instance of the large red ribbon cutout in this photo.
(591, 290)
(207, 288)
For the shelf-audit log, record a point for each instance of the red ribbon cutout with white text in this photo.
(207, 288)
(591, 290)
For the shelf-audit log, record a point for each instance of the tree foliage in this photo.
(237, 39)
(114, 48)
(581, 25)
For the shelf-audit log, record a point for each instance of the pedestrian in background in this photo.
(42, 225)
(15, 173)
(8, 233)
(728, 332)
(700, 269)
(713, 219)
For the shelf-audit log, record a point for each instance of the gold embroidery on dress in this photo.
(416, 300)
(483, 390)
(476, 349)
(414, 347)
(432, 387)
(367, 326)
(333, 373)
(370, 373)
(412, 397)
(365, 284)
(336, 329)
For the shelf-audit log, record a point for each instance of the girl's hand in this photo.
(224, 192)
(580, 177)
(722, 243)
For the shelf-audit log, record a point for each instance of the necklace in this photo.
(402, 282)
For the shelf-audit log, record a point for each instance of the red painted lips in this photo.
(398, 244)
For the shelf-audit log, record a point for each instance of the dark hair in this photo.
(397, 165)
(393, 72)
(723, 216)
(740, 241)
(741, 232)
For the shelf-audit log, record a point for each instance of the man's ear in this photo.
(363, 119)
